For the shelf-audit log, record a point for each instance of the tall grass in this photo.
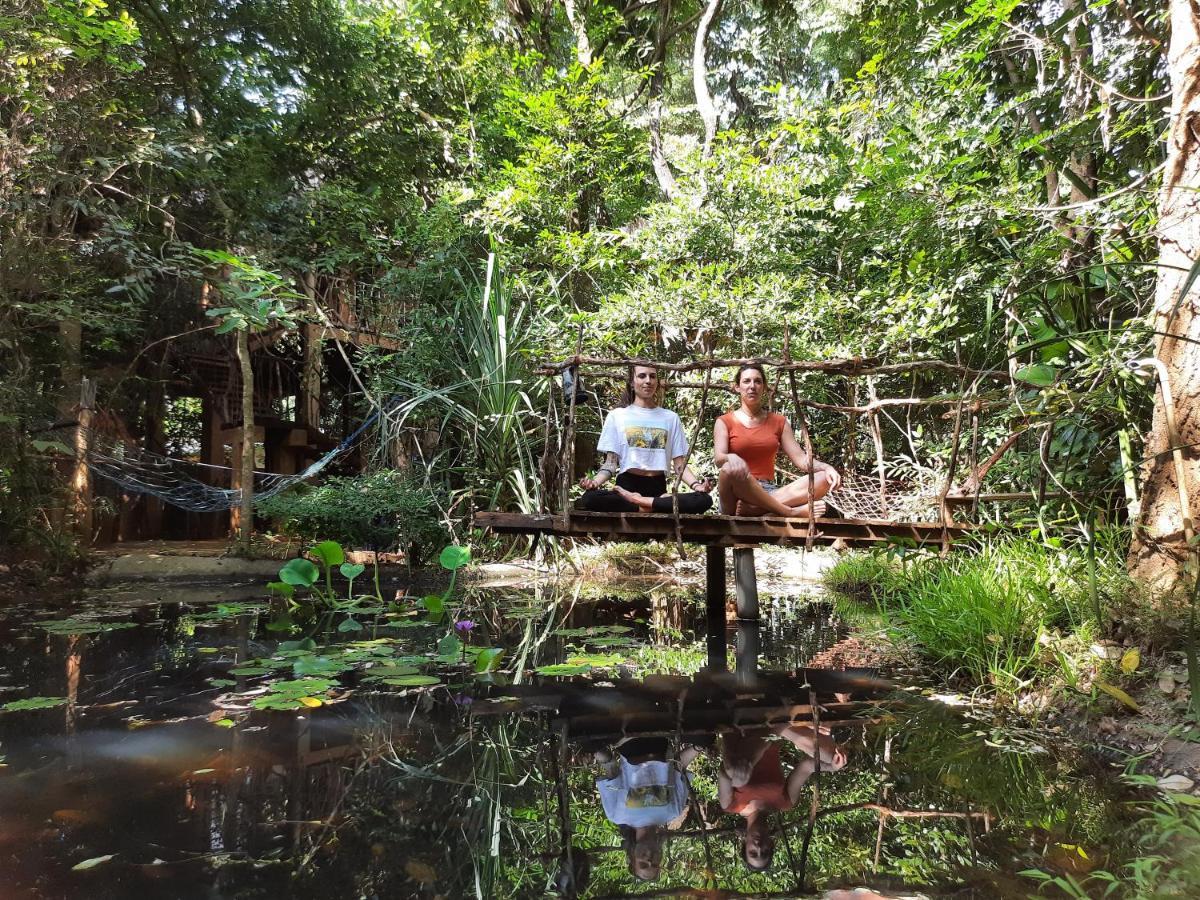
(491, 410)
(979, 613)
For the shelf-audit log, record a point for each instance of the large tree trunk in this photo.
(1158, 553)
(658, 157)
(246, 515)
(704, 100)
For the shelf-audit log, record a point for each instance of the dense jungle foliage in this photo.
(823, 178)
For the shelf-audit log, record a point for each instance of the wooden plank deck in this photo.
(720, 531)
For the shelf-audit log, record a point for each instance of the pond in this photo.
(185, 748)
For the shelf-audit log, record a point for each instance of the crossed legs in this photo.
(742, 495)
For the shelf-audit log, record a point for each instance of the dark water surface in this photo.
(192, 749)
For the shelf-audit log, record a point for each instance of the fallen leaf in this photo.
(419, 871)
(1177, 783)
(311, 702)
(1131, 660)
(92, 863)
(1118, 694)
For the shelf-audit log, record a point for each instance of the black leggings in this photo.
(601, 500)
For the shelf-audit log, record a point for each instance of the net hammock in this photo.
(916, 500)
(182, 483)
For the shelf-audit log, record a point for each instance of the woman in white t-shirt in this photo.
(642, 442)
(645, 793)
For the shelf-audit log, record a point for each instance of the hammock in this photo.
(178, 482)
(859, 497)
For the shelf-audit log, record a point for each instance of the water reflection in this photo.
(178, 759)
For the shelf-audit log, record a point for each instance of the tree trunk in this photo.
(583, 47)
(246, 517)
(1158, 554)
(658, 157)
(704, 100)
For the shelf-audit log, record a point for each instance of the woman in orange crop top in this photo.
(745, 443)
(751, 782)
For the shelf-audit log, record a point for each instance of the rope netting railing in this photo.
(884, 488)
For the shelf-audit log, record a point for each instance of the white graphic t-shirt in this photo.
(643, 438)
(644, 794)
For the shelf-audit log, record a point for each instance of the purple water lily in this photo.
(464, 626)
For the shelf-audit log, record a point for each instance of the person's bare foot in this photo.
(645, 504)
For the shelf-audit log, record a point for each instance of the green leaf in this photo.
(454, 557)
(56, 446)
(352, 570)
(249, 670)
(329, 552)
(413, 680)
(450, 647)
(305, 644)
(317, 665)
(1038, 374)
(350, 625)
(488, 660)
(283, 623)
(33, 703)
(563, 669)
(434, 604)
(282, 588)
(299, 572)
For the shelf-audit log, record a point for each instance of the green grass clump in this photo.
(864, 577)
(980, 611)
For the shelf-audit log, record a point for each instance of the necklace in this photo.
(754, 418)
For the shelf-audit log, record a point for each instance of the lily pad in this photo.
(413, 680)
(454, 557)
(34, 703)
(299, 572)
(329, 552)
(563, 669)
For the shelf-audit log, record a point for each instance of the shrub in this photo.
(383, 510)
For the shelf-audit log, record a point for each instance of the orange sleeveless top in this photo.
(767, 785)
(759, 445)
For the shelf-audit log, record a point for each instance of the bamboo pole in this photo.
(81, 478)
(850, 366)
(943, 506)
(816, 789)
(687, 459)
(569, 437)
(806, 439)
(877, 440)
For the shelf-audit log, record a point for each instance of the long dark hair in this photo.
(627, 396)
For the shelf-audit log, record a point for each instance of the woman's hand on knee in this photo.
(735, 468)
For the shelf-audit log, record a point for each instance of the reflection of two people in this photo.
(645, 791)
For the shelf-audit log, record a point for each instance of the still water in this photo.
(558, 739)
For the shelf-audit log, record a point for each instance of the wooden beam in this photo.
(722, 531)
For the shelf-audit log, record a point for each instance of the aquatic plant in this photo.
(1165, 857)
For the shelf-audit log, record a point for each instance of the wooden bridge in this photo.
(874, 510)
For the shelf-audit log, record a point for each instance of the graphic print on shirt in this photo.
(645, 437)
(650, 795)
